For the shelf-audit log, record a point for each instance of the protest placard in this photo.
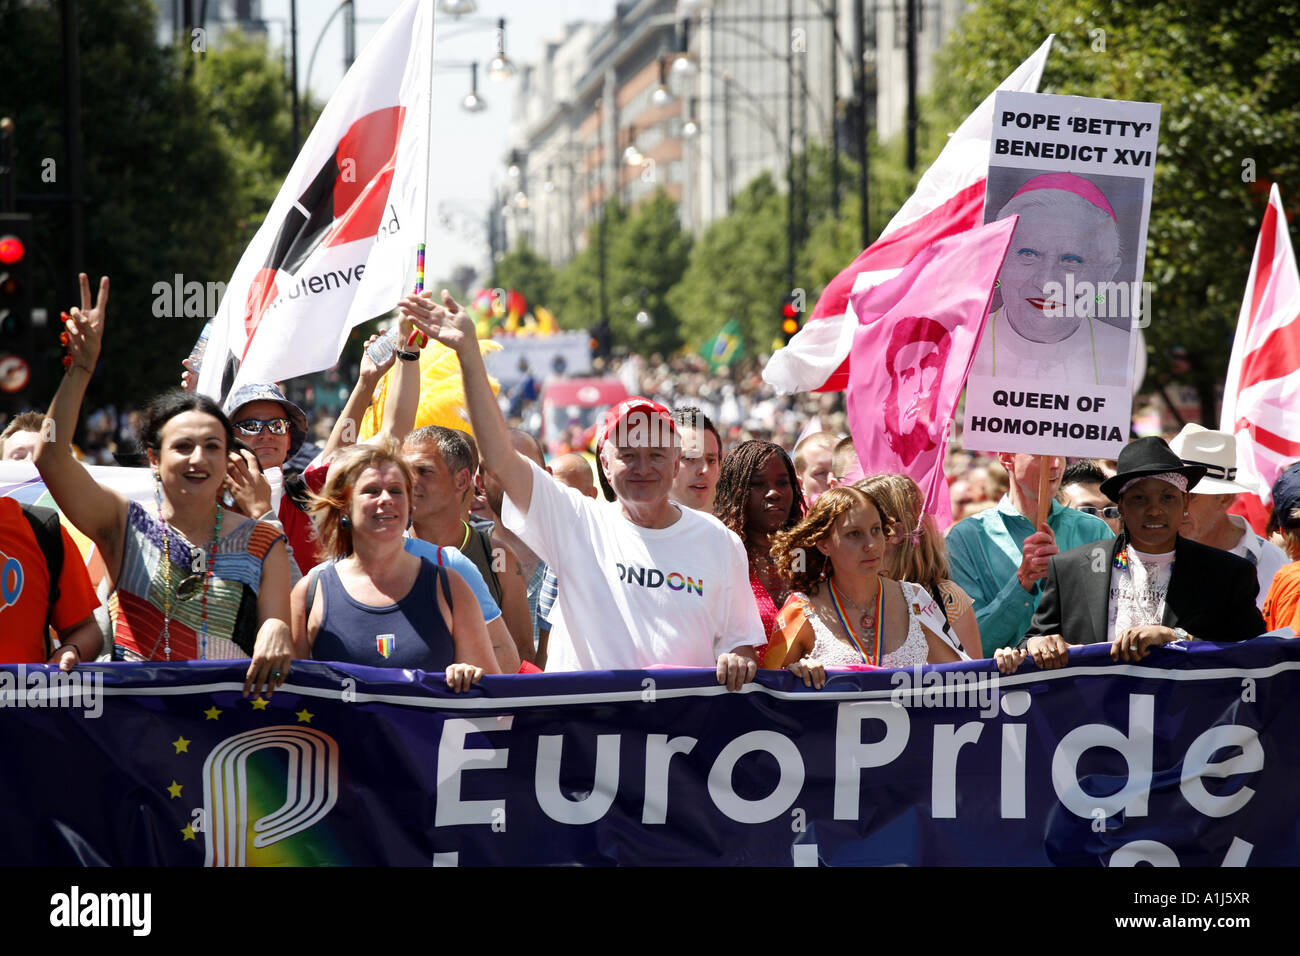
(1053, 372)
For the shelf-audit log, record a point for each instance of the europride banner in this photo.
(1190, 758)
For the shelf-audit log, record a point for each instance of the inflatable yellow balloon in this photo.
(442, 397)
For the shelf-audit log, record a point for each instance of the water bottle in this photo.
(382, 348)
(195, 359)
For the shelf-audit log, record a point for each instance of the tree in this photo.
(577, 289)
(733, 271)
(649, 253)
(164, 176)
(1226, 76)
(244, 89)
(523, 270)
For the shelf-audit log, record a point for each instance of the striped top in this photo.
(137, 604)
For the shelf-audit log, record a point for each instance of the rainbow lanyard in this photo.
(853, 636)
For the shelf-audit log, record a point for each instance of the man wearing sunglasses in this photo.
(1081, 483)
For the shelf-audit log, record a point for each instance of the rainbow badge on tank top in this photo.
(384, 644)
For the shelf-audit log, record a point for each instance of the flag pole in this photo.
(428, 170)
(1044, 489)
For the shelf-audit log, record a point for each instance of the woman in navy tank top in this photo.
(375, 603)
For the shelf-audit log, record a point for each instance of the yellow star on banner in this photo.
(181, 744)
(188, 832)
(304, 716)
(174, 789)
(259, 703)
(213, 712)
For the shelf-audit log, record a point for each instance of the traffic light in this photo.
(16, 343)
(602, 340)
(790, 319)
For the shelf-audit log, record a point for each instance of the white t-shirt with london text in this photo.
(633, 597)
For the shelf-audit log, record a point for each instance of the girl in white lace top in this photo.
(841, 611)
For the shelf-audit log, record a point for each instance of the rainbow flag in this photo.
(21, 480)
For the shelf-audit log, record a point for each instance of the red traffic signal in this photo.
(789, 318)
(12, 250)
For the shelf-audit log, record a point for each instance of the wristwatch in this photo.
(1181, 635)
(406, 356)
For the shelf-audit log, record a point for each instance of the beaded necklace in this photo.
(201, 572)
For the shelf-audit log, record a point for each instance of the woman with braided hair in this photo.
(757, 496)
(842, 610)
(916, 553)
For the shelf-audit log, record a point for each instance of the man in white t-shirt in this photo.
(1207, 519)
(642, 581)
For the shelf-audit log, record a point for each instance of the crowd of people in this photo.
(682, 543)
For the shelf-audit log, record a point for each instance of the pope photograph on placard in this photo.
(1064, 302)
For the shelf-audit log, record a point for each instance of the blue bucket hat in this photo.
(1286, 495)
(259, 392)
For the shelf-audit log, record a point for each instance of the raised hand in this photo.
(369, 369)
(84, 327)
(447, 322)
(248, 486)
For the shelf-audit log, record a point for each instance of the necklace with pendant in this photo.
(868, 622)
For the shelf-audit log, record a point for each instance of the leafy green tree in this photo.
(523, 270)
(576, 292)
(244, 88)
(733, 271)
(649, 253)
(1226, 76)
(164, 177)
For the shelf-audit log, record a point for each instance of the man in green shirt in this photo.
(1000, 560)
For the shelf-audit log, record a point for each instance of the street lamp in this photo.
(662, 96)
(473, 103)
(500, 68)
(457, 8)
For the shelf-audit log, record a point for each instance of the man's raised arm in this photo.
(450, 325)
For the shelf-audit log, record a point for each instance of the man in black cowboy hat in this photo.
(1150, 586)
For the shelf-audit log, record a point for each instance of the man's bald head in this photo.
(575, 471)
(528, 446)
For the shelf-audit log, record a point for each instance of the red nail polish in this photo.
(67, 361)
(63, 338)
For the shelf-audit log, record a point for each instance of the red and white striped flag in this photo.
(949, 199)
(1261, 395)
(338, 246)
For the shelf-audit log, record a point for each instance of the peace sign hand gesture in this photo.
(84, 327)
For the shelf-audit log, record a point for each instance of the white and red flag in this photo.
(912, 347)
(1261, 395)
(949, 199)
(338, 246)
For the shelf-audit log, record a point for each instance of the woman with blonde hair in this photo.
(916, 553)
(843, 609)
(376, 603)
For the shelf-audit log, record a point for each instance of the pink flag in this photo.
(948, 200)
(913, 346)
(1261, 395)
